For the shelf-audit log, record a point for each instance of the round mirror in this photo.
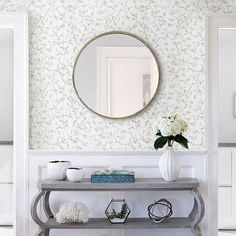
(116, 74)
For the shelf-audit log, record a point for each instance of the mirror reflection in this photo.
(116, 74)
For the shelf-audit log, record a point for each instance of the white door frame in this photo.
(104, 56)
(213, 24)
(18, 21)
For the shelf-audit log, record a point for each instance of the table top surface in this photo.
(139, 184)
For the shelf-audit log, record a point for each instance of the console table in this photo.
(143, 184)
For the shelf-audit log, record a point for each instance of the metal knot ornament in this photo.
(160, 210)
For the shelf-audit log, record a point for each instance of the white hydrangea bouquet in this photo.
(171, 130)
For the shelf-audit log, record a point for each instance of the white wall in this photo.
(6, 126)
(6, 84)
(58, 30)
(227, 85)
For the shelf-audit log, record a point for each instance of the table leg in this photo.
(197, 212)
(47, 232)
(40, 232)
(46, 205)
(43, 232)
(33, 209)
(196, 231)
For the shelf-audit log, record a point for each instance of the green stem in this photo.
(169, 143)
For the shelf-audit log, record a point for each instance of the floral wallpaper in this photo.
(58, 29)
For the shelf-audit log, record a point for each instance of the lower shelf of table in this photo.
(132, 223)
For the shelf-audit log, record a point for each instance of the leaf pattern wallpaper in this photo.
(175, 29)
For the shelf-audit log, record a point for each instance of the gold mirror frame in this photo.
(110, 33)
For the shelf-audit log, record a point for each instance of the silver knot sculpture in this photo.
(160, 210)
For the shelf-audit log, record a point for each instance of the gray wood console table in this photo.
(146, 184)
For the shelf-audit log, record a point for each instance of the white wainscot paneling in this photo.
(6, 179)
(234, 183)
(6, 166)
(145, 164)
(6, 201)
(224, 202)
(225, 167)
(227, 233)
(227, 188)
(6, 231)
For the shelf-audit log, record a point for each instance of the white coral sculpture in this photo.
(72, 212)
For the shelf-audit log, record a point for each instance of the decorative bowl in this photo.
(75, 174)
(57, 169)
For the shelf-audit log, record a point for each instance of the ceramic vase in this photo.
(57, 169)
(169, 165)
(75, 174)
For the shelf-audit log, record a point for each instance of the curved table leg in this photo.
(43, 232)
(197, 212)
(40, 232)
(196, 231)
(46, 205)
(33, 209)
(47, 232)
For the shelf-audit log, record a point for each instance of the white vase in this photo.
(169, 165)
(57, 169)
(75, 174)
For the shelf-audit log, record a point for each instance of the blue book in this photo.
(114, 176)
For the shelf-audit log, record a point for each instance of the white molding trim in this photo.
(213, 23)
(18, 21)
(109, 153)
